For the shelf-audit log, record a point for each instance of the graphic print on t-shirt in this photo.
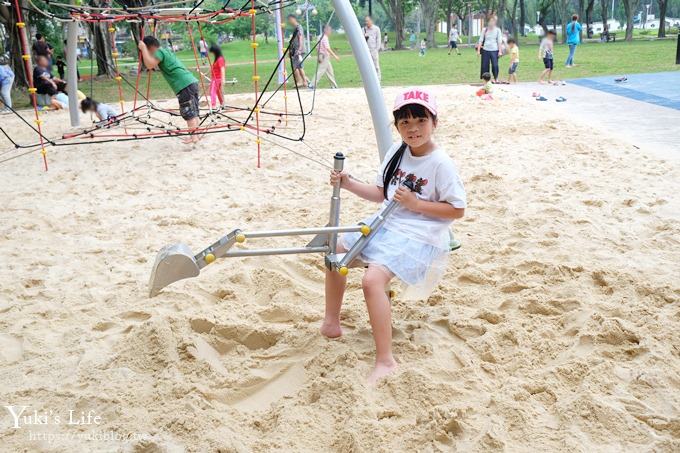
(401, 176)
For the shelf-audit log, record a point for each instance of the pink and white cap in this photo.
(416, 96)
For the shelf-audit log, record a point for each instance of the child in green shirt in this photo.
(182, 82)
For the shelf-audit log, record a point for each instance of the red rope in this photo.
(26, 56)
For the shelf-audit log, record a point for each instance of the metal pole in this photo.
(279, 38)
(72, 74)
(307, 25)
(677, 51)
(334, 219)
(470, 27)
(376, 103)
(283, 251)
(301, 231)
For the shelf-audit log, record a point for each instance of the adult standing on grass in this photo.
(372, 36)
(181, 81)
(324, 59)
(297, 53)
(573, 39)
(489, 48)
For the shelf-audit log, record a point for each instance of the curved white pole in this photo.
(376, 103)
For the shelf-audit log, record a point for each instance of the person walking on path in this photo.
(323, 59)
(372, 36)
(489, 48)
(573, 39)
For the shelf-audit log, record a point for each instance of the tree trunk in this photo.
(663, 4)
(603, 6)
(589, 17)
(561, 7)
(522, 17)
(8, 18)
(629, 6)
(512, 13)
(500, 13)
(429, 8)
(394, 9)
(100, 44)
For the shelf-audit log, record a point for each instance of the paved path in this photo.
(648, 126)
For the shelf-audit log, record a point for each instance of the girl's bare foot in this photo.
(330, 330)
(382, 370)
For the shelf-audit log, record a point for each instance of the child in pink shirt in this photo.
(217, 70)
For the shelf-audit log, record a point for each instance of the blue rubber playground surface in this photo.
(660, 88)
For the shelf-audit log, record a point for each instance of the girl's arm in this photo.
(224, 72)
(369, 192)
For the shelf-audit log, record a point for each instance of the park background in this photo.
(645, 33)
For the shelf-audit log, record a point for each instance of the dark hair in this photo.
(574, 17)
(88, 104)
(38, 36)
(486, 76)
(215, 50)
(291, 16)
(406, 111)
(511, 41)
(150, 41)
(552, 32)
(61, 86)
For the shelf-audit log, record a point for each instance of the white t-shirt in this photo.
(453, 36)
(436, 179)
(202, 46)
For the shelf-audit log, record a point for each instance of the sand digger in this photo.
(177, 262)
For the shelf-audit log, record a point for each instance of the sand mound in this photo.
(556, 327)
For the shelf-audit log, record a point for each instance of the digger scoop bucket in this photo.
(173, 263)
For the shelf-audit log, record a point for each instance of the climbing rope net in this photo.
(146, 119)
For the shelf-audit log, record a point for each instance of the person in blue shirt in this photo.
(6, 82)
(573, 39)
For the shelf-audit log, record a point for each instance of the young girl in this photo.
(414, 240)
(103, 111)
(217, 75)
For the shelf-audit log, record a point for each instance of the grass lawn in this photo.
(406, 67)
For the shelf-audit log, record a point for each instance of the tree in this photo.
(522, 17)
(630, 6)
(589, 17)
(542, 7)
(429, 8)
(663, 5)
(396, 10)
(603, 7)
(100, 44)
(562, 7)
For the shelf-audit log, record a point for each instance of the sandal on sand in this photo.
(455, 244)
(561, 99)
(621, 79)
(541, 98)
(535, 94)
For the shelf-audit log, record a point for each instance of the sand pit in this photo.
(556, 327)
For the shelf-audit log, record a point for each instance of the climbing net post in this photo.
(256, 78)
(26, 56)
